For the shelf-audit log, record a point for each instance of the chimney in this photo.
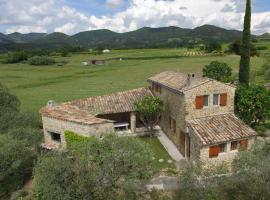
(190, 79)
(51, 103)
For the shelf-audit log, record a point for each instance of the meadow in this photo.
(35, 85)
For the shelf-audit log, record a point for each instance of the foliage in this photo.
(267, 71)
(218, 71)
(73, 139)
(16, 57)
(41, 60)
(213, 46)
(245, 49)
(150, 109)
(16, 163)
(253, 104)
(105, 169)
(249, 180)
(8, 101)
(235, 48)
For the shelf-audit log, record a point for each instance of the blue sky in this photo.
(73, 16)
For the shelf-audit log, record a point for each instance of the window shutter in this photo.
(214, 151)
(223, 99)
(199, 102)
(244, 144)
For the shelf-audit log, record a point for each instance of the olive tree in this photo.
(150, 109)
(110, 168)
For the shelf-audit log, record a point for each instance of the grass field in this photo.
(35, 85)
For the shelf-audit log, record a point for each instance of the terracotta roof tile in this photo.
(114, 103)
(220, 128)
(179, 81)
(84, 111)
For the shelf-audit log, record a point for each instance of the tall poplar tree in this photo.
(245, 49)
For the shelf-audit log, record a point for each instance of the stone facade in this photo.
(51, 125)
(209, 88)
(180, 105)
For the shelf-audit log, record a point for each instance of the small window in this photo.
(56, 137)
(216, 99)
(174, 125)
(234, 145)
(205, 100)
(222, 148)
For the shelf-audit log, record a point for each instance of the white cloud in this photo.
(55, 15)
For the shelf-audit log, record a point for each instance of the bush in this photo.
(262, 48)
(213, 46)
(41, 60)
(16, 57)
(109, 168)
(218, 71)
(16, 164)
(73, 139)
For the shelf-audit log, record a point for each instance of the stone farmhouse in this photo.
(199, 116)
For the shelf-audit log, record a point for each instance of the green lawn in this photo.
(35, 85)
(159, 152)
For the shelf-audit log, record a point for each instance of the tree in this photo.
(235, 47)
(253, 104)
(150, 109)
(213, 46)
(109, 168)
(218, 71)
(244, 71)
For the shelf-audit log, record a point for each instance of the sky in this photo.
(73, 16)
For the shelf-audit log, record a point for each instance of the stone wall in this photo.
(59, 126)
(225, 158)
(210, 88)
(174, 108)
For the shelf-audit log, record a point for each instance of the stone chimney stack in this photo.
(51, 103)
(190, 79)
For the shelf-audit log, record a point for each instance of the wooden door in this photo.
(182, 143)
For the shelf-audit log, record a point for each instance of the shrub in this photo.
(218, 71)
(109, 168)
(16, 164)
(16, 57)
(262, 48)
(213, 46)
(41, 60)
(73, 139)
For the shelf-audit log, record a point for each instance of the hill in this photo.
(142, 38)
(25, 38)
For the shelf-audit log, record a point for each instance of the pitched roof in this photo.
(71, 113)
(84, 111)
(178, 81)
(114, 103)
(220, 128)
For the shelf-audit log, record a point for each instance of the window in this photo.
(216, 99)
(170, 122)
(174, 126)
(234, 145)
(205, 100)
(55, 137)
(222, 148)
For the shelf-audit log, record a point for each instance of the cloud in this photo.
(114, 3)
(56, 15)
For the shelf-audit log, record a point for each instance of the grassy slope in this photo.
(35, 85)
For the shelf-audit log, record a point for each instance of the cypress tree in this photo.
(245, 49)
